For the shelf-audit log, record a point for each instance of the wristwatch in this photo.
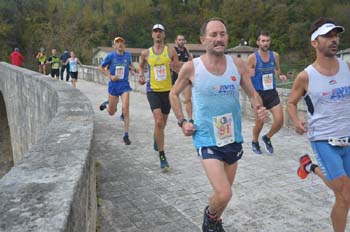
(181, 122)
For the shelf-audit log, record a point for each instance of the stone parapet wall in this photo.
(52, 185)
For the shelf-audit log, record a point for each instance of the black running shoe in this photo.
(164, 165)
(209, 222)
(103, 105)
(256, 148)
(219, 227)
(268, 144)
(126, 140)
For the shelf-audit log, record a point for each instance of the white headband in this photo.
(324, 29)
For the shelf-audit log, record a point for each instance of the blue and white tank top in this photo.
(264, 78)
(328, 103)
(216, 105)
(73, 65)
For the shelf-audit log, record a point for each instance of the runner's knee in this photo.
(342, 195)
(279, 122)
(125, 111)
(111, 111)
(160, 123)
(224, 196)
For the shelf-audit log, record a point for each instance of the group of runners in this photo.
(210, 85)
(67, 62)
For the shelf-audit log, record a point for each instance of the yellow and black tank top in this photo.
(159, 75)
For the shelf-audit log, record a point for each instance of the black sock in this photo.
(313, 166)
(161, 153)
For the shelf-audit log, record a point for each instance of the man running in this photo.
(116, 66)
(217, 135)
(325, 87)
(54, 61)
(160, 60)
(266, 65)
(184, 55)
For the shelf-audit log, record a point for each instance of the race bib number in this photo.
(74, 68)
(223, 129)
(267, 80)
(160, 72)
(55, 66)
(119, 71)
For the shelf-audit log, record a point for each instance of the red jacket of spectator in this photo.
(16, 58)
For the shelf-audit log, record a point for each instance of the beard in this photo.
(264, 49)
(330, 51)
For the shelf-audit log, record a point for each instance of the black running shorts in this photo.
(55, 72)
(73, 75)
(270, 98)
(159, 100)
(229, 153)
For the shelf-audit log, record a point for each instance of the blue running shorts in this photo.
(334, 161)
(117, 88)
(229, 153)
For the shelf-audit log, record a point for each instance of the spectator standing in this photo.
(16, 58)
(64, 65)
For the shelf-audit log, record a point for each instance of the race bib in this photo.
(74, 68)
(55, 66)
(223, 129)
(267, 80)
(160, 72)
(119, 71)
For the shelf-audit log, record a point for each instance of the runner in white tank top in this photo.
(325, 86)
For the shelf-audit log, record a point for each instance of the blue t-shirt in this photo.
(64, 57)
(118, 64)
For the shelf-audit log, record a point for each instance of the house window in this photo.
(135, 58)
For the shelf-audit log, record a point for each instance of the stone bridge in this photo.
(46, 134)
(55, 144)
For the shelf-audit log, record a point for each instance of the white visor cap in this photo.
(158, 26)
(325, 28)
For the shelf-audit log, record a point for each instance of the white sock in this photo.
(308, 167)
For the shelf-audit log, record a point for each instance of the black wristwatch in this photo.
(181, 122)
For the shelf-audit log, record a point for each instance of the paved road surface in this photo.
(135, 196)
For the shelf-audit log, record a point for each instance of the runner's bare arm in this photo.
(184, 79)
(297, 92)
(132, 68)
(175, 64)
(143, 61)
(190, 56)
(281, 76)
(247, 86)
(251, 62)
